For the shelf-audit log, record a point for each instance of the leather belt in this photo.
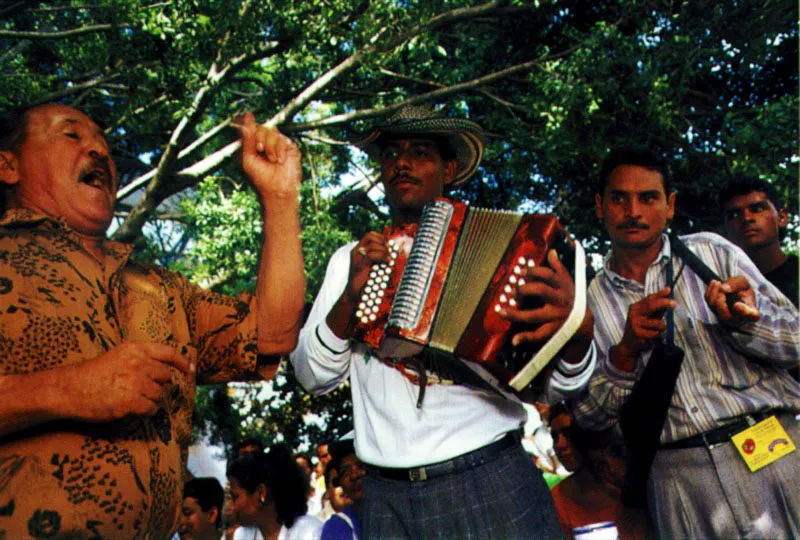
(722, 434)
(458, 464)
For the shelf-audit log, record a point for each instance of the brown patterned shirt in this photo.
(60, 306)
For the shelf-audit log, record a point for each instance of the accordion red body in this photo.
(447, 278)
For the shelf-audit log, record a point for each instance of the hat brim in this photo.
(464, 137)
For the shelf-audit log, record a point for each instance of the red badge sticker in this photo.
(749, 446)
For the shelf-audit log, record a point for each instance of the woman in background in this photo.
(268, 493)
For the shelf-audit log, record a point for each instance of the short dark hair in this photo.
(13, 124)
(340, 450)
(283, 478)
(250, 441)
(442, 146)
(632, 155)
(209, 494)
(742, 185)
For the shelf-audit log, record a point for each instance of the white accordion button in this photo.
(497, 308)
(512, 279)
(508, 289)
(362, 305)
(503, 299)
(521, 261)
(531, 263)
(359, 314)
(372, 317)
(364, 320)
(521, 282)
(517, 270)
(512, 303)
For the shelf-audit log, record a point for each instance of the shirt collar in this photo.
(27, 218)
(662, 258)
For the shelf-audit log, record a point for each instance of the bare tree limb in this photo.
(220, 69)
(214, 160)
(39, 36)
(76, 89)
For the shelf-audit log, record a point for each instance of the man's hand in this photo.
(645, 322)
(370, 249)
(553, 285)
(129, 380)
(270, 159)
(733, 301)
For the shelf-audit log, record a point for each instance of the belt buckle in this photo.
(417, 474)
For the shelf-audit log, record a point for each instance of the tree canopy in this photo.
(556, 84)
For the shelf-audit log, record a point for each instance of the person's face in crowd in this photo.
(568, 455)
(351, 474)
(752, 221)
(64, 169)
(246, 505)
(634, 206)
(413, 173)
(336, 495)
(197, 523)
(323, 455)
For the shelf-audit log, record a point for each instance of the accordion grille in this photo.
(484, 239)
(419, 269)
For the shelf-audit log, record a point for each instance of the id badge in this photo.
(763, 443)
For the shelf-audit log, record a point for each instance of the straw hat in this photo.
(465, 138)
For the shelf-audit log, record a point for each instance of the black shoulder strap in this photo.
(699, 267)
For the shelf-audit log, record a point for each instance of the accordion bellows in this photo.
(446, 280)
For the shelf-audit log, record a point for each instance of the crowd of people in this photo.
(102, 354)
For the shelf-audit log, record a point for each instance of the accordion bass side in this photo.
(448, 278)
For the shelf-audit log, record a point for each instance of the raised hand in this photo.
(270, 159)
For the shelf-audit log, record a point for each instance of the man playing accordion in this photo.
(451, 465)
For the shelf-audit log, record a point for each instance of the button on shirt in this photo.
(728, 370)
(59, 306)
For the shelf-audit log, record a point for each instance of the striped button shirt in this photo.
(728, 370)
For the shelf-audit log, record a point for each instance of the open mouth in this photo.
(99, 176)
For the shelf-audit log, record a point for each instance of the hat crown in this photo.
(412, 112)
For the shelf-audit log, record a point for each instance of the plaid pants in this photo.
(503, 498)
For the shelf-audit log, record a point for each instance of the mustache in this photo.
(404, 176)
(633, 224)
(95, 163)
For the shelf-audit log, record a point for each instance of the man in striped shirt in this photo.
(734, 373)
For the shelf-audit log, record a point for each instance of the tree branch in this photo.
(39, 36)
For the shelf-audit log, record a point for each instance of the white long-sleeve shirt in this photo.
(390, 431)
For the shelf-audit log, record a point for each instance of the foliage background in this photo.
(711, 85)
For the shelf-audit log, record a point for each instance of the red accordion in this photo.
(448, 277)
